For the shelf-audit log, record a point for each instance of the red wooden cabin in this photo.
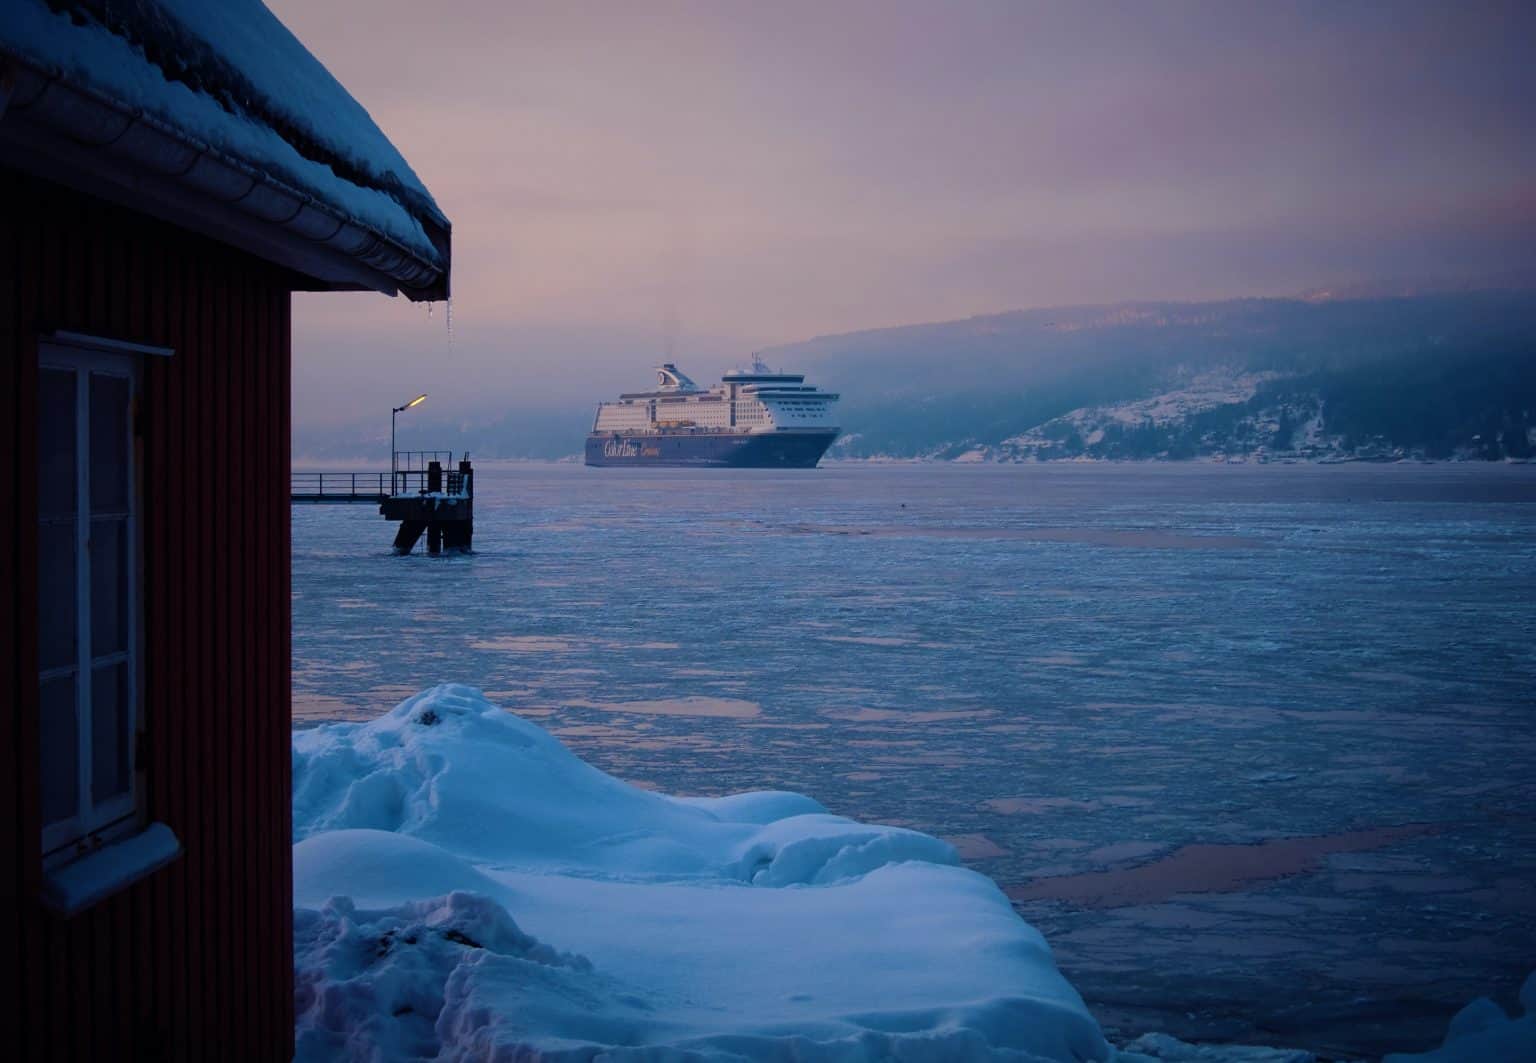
(170, 171)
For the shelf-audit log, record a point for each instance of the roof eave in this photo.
(75, 136)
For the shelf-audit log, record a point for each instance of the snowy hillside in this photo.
(1229, 413)
(1093, 430)
(1450, 376)
(467, 888)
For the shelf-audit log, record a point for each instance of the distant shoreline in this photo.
(1182, 461)
(359, 465)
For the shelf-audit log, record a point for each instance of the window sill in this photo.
(78, 885)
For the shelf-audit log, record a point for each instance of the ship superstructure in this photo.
(753, 418)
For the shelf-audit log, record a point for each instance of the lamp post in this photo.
(417, 401)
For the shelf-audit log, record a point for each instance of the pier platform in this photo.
(424, 492)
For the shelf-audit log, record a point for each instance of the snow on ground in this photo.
(467, 887)
(1482, 1033)
(1223, 386)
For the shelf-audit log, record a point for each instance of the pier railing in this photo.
(338, 486)
(377, 486)
(413, 468)
(425, 492)
(418, 460)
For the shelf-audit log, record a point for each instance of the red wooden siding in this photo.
(194, 962)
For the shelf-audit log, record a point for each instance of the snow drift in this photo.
(470, 888)
(1481, 1032)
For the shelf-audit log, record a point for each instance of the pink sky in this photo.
(736, 174)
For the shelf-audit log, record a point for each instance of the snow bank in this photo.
(469, 888)
(1481, 1032)
(448, 767)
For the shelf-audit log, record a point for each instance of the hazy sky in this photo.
(626, 177)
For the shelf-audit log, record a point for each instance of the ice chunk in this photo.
(815, 849)
(1168, 1049)
(1482, 1032)
(371, 984)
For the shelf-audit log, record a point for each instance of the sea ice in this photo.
(469, 888)
(1163, 1048)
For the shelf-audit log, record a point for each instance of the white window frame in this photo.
(95, 824)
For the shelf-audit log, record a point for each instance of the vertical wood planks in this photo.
(195, 962)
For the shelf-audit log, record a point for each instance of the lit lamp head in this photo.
(417, 401)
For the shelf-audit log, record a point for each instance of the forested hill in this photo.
(1430, 376)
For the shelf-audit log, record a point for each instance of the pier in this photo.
(424, 491)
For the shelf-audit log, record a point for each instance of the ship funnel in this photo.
(670, 377)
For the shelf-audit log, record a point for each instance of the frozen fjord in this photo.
(1064, 670)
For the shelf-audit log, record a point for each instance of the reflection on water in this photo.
(687, 706)
(975, 847)
(522, 644)
(1198, 720)
(1146, 538)
(867, 715)
(1205, 868)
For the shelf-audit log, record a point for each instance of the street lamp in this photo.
(393, 478)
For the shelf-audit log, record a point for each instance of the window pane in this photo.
(109, 586)
(111, 725)
(56, 594)
(109, 443)
(60, 741)
(56, 443)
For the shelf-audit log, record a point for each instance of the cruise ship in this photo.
(754, 418)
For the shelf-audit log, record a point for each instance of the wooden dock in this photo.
(424, 492)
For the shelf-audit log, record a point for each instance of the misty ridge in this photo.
(1325, 376)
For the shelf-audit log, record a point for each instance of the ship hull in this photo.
(800, 449)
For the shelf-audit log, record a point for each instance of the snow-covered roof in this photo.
(228, 80)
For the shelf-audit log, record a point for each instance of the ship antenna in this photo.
(758, 365)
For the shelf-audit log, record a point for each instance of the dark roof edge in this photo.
(80, 137)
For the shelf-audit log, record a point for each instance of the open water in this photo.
(1254, 746)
